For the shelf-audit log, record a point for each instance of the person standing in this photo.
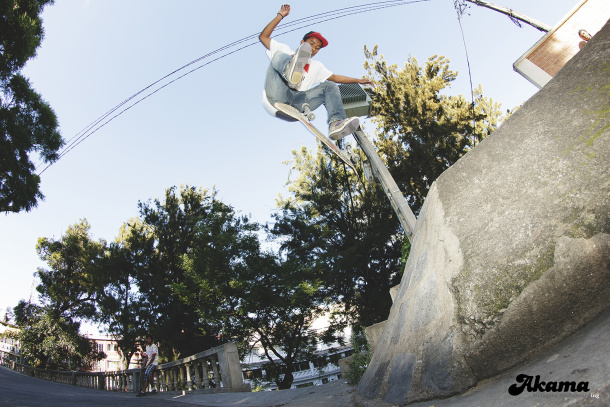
(151, 360)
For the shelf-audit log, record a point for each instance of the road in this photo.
(17, 390)
(583, 357)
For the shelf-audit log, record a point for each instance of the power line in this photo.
(249, 41)
(460, 8)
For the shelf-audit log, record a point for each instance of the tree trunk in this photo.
(286, 382)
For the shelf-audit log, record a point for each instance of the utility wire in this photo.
(86, 132)
(250, 40)
(460, 8)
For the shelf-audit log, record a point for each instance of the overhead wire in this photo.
(280, 30)
(83, 134)
(460, 8)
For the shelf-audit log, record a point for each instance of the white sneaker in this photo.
(296, 67)
(341, 128)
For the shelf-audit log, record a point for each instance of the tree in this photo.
(345, 230)
(249, 296)
(52, 342)
(171, 227)
(90, 280)
(421, 132)
(119, 303)
(280, 308)
(342, 225)
(49, 333)
(27, 123)
(71, 286)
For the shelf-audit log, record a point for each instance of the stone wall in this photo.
(512, 247)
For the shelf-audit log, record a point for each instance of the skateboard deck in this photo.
(293, 112)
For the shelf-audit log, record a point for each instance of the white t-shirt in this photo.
(150, 350)
(316, 73)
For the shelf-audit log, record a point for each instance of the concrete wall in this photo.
(512, 248)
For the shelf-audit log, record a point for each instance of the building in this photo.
(547, 56)
(114, 358)
(322, 369)
(10, 348)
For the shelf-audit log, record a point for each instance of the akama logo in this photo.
(525, 382)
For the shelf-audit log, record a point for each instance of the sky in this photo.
(208, 129)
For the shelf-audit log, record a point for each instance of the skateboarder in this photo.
(294, 79)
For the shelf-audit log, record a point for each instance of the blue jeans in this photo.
(326, 93)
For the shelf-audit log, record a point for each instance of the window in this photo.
(297, 367)
(320, 362)
(334, 359)
(253, 374)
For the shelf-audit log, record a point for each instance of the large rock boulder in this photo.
(512, 248)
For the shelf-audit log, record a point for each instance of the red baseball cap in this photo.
(317, 35)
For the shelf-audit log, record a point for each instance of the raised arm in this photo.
(347, 79)
(265, 35)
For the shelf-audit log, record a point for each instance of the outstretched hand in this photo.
(284, 10)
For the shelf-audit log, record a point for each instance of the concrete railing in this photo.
(121, 380)
(215, 370)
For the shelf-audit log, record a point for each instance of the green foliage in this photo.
(421, 132)
(91, 280)
(193, 273)
(170, 228)
(246, 295)
(70, 286)
(21, 33)
(119, 304)
(52, 342)
(345, 231)
(342, 227)
(360, 359)
(406, 249)
(69, 291)
(27, 123)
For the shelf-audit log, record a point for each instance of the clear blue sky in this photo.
(209, 129)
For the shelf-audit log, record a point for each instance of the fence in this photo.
(216, 370)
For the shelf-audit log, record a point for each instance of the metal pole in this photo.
(398, 201)
(513, 14)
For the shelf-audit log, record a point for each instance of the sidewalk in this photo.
(584, 357)
(333, 394)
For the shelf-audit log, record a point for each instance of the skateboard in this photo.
(304, 118)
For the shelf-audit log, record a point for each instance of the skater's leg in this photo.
(327, 93)
(276, 89)
(280, 62)
(292, 67)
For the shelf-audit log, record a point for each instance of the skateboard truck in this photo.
(305, 117)
(307, 112)
(352, 154)
(355, 158)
